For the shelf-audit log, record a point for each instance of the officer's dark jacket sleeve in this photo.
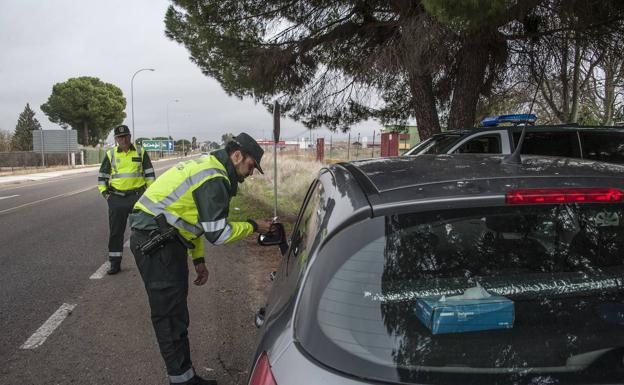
(148, 169)
(213, 202)
(104, 175)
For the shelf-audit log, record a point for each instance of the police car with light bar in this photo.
(599, 143)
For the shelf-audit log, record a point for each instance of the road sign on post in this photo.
(151, 145)
(158, 145)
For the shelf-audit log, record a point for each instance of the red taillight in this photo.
(262, 374)
(564, 195)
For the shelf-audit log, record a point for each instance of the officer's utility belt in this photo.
(125, 193)
(165, 233)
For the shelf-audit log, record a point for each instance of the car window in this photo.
(603, 146)
(308, 230)
(484, 144)
(564, 144)
(559, 267)
(416, 149)
(438, 144)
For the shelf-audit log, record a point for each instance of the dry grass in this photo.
(295, 173)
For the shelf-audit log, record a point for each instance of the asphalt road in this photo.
(54, 243)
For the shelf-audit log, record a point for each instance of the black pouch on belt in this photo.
(165, 233)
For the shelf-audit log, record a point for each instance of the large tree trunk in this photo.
(423, 104)
(472, 63)
(85, 133)
(609, 95)
(577, 83)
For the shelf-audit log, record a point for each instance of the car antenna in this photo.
(514, 157)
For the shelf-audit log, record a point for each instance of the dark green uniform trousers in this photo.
(119, 207)
(165, 275)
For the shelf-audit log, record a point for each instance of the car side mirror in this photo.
(276, 236)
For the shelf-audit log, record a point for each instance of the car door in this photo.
(306, 230)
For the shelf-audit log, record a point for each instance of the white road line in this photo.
(48, 327)
(47, 199)
(7, 197)
(99, 273)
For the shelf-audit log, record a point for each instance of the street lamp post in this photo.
(171, 101)
(132, 96)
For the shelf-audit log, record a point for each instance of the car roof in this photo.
(385, 174)
(384, 183)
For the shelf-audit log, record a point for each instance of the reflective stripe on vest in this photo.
(127, 175)
(172, 218)
(213, 226)
(224, 235)
(188, 183)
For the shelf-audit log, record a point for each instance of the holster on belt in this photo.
(165, 233)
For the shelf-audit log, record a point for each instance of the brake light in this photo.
(262, 374)
(564, 195)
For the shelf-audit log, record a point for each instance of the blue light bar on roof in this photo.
(493, 121)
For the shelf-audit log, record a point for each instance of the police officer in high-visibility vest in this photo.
(193, 197)
(125, 173)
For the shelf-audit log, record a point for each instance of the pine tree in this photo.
(22, 138)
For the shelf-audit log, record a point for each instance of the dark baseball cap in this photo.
(250, 147)
(122, 130)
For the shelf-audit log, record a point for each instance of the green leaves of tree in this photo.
(467, 14)
(88, 105)
(334, 63)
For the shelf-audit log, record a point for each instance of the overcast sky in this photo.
(47, 42)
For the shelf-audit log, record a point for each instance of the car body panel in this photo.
(290, 367)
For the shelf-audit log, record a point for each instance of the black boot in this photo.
(197, 380)
(115, 267)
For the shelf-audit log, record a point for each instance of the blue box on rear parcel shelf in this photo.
(465, 315)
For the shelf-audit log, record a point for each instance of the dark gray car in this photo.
(376, 240)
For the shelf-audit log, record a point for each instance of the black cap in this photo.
(250, 147)
(122, 130)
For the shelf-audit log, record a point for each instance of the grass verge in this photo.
(256, 198)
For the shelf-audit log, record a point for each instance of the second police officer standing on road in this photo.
(125, 173)
(187, 202)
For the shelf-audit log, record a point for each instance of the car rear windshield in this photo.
(528, 294)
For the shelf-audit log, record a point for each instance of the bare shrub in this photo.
(5, 140)
(294, 177)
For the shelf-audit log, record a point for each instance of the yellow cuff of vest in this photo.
(254, 224)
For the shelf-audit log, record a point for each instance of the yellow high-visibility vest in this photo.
(172, 195)
(127, 169)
